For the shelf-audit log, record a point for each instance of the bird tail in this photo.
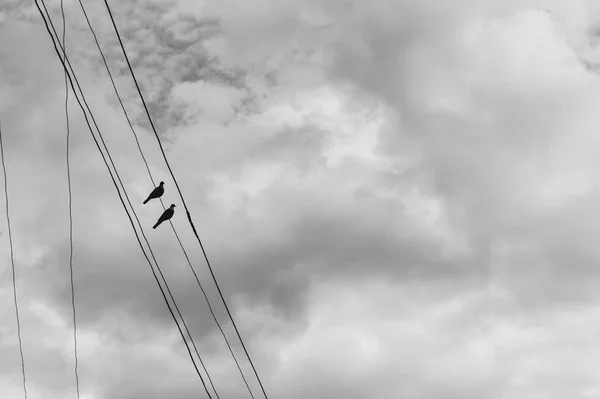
(157, 223)
(147, 199)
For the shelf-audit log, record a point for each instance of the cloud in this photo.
(397, 198)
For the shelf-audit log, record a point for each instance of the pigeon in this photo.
(167, 214)
(156, 193)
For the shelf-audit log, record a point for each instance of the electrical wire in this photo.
(118, 191)
(135, 215)
(66, 62)
(68, 162)
(12, 262)
(160, 199)
(189, 217)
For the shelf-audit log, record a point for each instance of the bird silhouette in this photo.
(156, 193)
(167, 214)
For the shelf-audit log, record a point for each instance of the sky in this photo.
(399, 198)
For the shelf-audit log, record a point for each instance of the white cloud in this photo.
(398, 199)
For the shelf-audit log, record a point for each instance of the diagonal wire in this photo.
(189, 216)
(113, 179)
(12, 262)
(68, 162)
(161, 201)
(66, 62)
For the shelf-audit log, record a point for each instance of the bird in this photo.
(156, 193)
(167, 214)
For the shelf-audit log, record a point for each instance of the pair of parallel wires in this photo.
(73, 81)
(12, 257)
(67, 66)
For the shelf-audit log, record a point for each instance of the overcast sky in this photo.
(400, 198)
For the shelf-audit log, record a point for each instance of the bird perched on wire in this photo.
(167, 214)
(156, 193)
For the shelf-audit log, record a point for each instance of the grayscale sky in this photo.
(400, 199)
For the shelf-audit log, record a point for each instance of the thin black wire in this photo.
(160, 199)
(116, 186)
(136, 217)
(189, 216)
(114, 181)
(12, 262)
(64, 36)
(143, 234)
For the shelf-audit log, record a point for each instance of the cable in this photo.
(113, 179)
(147, 243)
(189, 217)
(12, 262)
(160, 199)
(135, 215)
(64, 21)
(137, 219)
(116, 186)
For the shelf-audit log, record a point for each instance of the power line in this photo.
(68, 162)
(12, 262)
(115, 183)
(135, 215)
(160, 199)
(189, 217)
(66, 62)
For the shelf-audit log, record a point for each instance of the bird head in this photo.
(161, 183)
(172, 205)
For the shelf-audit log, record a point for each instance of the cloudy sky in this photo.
(400, 198)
